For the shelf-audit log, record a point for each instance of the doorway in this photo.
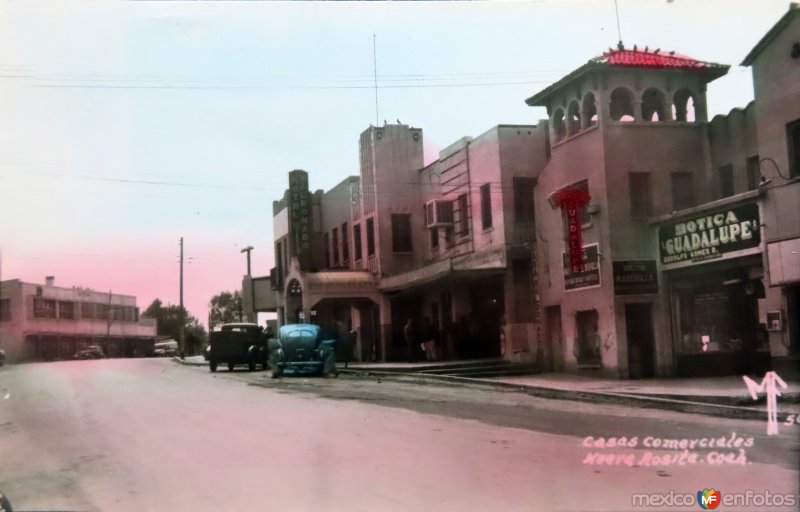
(553, 359)
(641, 340)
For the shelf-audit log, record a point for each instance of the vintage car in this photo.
(302, 348)
(240, 343)
(90, 352)
(165, 349)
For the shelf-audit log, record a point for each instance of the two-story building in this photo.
(667, 242)
(627, 235)
(450, 241)
(775, 114)
(49, 322)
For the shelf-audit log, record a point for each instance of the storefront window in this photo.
(719, 319)
(719, 330)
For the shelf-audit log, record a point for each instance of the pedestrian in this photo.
(352, 342)
(429, 336)
(411, 340)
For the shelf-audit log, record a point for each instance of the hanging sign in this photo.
(589, 273)
(571, 200)
(300, 216)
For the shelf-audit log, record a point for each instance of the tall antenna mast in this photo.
(619, 31)
(375, 76)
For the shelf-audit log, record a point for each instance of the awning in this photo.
(338, 278)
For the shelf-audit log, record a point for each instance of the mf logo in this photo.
(708, 499)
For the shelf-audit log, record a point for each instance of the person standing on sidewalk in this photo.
(409, 332)
(429, 336)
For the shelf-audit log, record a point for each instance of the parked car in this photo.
(90, 352)
(5, 505)
(2, 357)
(165, 349)
(240, 343)
(301, 348)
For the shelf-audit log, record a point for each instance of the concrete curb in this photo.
(178, 360)
(628, 399)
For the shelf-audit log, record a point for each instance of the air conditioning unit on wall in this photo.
(438, 213)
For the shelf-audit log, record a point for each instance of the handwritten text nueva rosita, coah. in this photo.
(683, 451)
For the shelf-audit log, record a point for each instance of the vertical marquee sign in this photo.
(300, 216)
(571, 200)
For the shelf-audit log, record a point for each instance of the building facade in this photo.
(684, 236)
(775, 63)
(449, 242)
(48, 322)
(626, 236)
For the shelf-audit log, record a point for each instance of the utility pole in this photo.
(109, 319)
(247, 250)
(181, 318)
(250, 316)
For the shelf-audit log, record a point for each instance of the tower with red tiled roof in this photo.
(629, 129)
(628, 85)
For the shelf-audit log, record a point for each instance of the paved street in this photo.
(148, 434)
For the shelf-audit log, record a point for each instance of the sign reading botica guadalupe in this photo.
(300, 215)
(711, 235)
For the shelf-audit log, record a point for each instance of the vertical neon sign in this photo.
(571, 201)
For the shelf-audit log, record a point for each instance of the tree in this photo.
(224, 308)
(168, 323)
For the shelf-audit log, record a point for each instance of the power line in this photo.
(288, 87)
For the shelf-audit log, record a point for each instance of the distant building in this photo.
(48, 322)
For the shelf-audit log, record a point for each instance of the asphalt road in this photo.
(118, 435)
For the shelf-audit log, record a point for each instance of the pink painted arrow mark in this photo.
(769, 386)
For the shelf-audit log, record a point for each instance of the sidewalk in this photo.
(714, 396)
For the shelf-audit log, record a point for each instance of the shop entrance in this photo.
(717, 322)
(641, 340)
(555, 345)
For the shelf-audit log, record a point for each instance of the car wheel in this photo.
(265, 366)
(212, 365)
(230, 366)
(276, 373)
(251, 366)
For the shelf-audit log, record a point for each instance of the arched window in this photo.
(559, 130)
(589, 116)
(573, 118)
(622, 105)
(653, 106)
(683, 106)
